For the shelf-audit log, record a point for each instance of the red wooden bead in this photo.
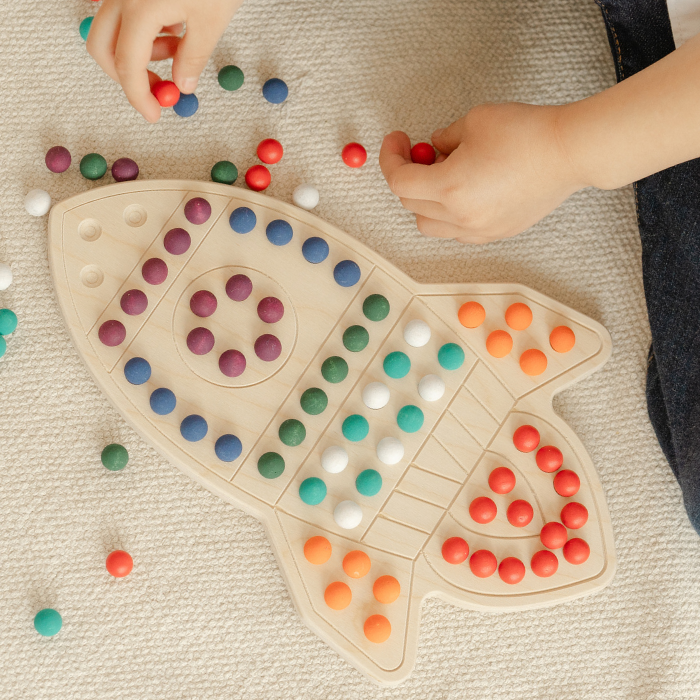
(483, 510)
(423, 153)
(574, 515)
(258, 178)
(567, 483)
(511, 570)
(544, 563)
(119, 563)
(270, 151)
(549, 458)
(576, 551)
(166, 92)
(483, 563)
(354, 155)
(553, 535)
(455, 550)
(519, 513)
(502, 480)
(526, 438)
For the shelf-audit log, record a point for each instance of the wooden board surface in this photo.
(98, 244)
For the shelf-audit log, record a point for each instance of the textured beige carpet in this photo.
(205, 613)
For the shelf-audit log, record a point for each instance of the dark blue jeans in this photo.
(668, 212)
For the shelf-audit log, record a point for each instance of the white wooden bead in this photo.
(431, 387)
(334, 459)
(5, 276)
(305, 196)
(348, 515)
(37, 202)
(376, 395)
(416, 333)
(390, 450)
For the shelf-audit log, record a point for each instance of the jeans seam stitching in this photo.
(614, 33)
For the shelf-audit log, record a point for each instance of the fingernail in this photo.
(189, 85)
(437, 133)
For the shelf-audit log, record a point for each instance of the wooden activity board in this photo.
(359, 415)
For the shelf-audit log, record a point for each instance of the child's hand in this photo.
(504, 169)
(124, 38)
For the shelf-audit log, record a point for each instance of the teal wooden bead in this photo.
(48, 622)
(397, 364)
(451, 356)
(312, 491)
(369, 482)
(410, 419)
(8, 321)
(3, 346)
(355, 428)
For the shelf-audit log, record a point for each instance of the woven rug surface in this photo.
(206, 614)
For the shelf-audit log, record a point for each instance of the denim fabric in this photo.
(668, 212)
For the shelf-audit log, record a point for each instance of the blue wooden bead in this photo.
(315, 249)
(194, 428)
(163, 401)
(137, 371)
(186, 106)
(347, 273)
(228, 448)
(275, 91)
(242, 220)
(279, 232)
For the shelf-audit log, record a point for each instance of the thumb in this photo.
(447, 139)
(193, 53)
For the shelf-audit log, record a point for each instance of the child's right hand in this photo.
(124, 37)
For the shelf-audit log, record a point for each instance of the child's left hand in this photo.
(502, 168)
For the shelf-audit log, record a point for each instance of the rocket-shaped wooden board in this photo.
(207, 313)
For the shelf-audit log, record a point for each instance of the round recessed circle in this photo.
(90, 230)
(135, 215)
(91, 276)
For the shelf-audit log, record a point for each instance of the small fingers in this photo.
(164, 47)
(193, 53)
(405, 178)
(102, 39)
(424, 207)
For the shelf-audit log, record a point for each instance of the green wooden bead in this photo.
(397, 364)
(8, 321)
(410, 419)
(355, 428)
(292, 432)
(312, 491)
(93, 166)
(376, 307)
(451, 356)
(356, 338)
(334, 369)
(225, 172)
(115, 457)
(230, 78)
(271, 465)
(314, 401)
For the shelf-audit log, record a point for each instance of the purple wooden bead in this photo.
(134, 302)
(270, 309)
(232, 363)
(125, 169)
(154, 271)
(239, 287)
(268, 347)
(203, 303)
(58, 159)
(200, 341)
(177, 241)
(112, 333)
(197, 210)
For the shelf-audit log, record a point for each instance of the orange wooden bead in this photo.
(338, 595)
(356, 564)
(499, 343)
(562, 339)
(471, 314)
(518, 316)
(377, 629)
(317, 550)
(533, 362)
(386, 589)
